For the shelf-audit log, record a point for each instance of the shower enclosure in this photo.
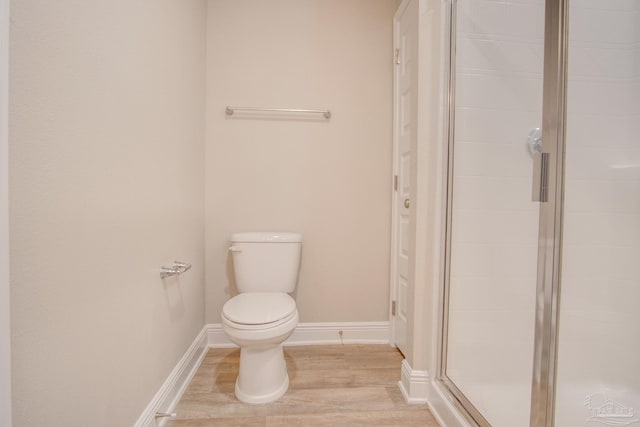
(542, 283)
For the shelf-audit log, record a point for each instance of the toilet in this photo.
(263, 315)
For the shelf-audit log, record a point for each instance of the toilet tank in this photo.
(266, 261)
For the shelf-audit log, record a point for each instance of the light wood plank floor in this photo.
(337, 385)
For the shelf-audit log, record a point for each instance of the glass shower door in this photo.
(492, 221)
(542, 300)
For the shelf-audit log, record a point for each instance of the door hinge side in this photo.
(397, 57)
(393, 308)
(395, 183)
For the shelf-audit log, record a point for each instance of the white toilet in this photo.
(263, 315)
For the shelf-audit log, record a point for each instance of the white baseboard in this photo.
(213, 336)
(416, 387)
(216, 338)
(174, 386)
(317, 333)
(329, 333)
(443, 409)
(413, 384)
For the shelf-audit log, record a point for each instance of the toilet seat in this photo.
(259, 310)
(249, 335)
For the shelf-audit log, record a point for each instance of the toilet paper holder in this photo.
(176, 269)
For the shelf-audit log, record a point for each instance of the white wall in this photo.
(600, 316)
(430, 185)
(499, 63)
(329, 180)
(107, 173)
(5, 321)
(426, 185)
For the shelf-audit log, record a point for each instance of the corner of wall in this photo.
(172, 389)
(414, 384)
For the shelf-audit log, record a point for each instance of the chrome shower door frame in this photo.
(551, 213)
(550, 219)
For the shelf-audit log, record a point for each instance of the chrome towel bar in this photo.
(230, 110)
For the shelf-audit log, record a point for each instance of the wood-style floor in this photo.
(336, 385)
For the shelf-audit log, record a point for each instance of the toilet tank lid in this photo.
(266, 236)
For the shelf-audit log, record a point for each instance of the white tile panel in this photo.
(600, 312)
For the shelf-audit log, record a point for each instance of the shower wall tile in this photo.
(494, 227)
(602, 229)
(480, 125)
(612, 197)
(615, 5)
(481, 53)
(610, 63)
(497, 262)
(603, 26)
(480, 382)
(600, 316)
(481, 326)
(601, 131)
(479, 159)
(600, 298)
(599, 261)
(601, 96)
(580, 378)
(509, 19)
(493, 193)
(485, 293)
(604, 164)
(497, 91)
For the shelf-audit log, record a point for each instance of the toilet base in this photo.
(262, 376)
(267, 398)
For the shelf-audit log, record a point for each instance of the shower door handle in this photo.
(540, 177)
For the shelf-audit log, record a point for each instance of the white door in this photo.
(405, 117)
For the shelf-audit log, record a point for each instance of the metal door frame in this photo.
(551, 213)
(550, 218)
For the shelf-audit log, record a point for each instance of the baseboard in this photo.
(416, 387)
(317, 334)
(174, 386)
(329, 333)
(442, 407)
(413, 384)
(216, 338)
(213, 336)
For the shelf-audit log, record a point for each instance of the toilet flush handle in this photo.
(235, 249)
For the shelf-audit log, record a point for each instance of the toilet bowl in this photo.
(263, 315)
(259, 323)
